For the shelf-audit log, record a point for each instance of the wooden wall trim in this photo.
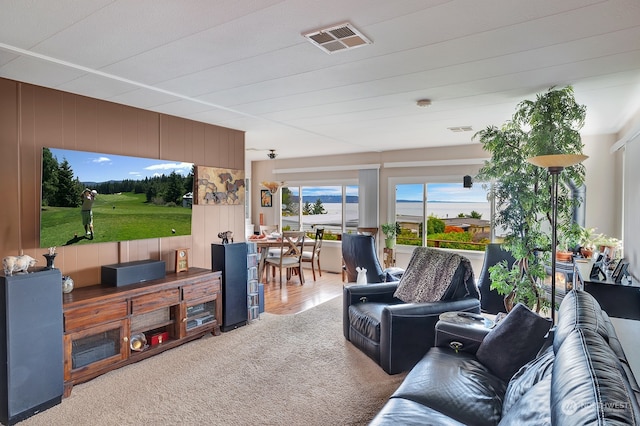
(32, 117)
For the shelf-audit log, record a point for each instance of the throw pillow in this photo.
(513, 342)
(429, 275)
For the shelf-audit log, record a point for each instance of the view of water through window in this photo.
(335, 208)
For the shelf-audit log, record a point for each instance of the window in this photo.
(290, 208)
(456, 217)
(332, 207)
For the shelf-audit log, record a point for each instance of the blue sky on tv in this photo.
(98, 167)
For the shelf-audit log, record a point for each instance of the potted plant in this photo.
(608, 245)
(569, 241)
(390, 231)
(588, 238)
(549, 124)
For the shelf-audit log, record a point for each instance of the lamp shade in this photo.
(271, 186)
(557, 160)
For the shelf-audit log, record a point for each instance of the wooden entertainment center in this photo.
(100, 321)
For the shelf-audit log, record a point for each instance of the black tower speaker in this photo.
(231, 260)
(31, 353)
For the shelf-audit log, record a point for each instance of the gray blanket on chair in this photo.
(428, 275)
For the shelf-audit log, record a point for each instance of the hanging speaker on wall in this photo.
(467, 182)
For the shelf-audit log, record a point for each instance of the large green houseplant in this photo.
(550, 124)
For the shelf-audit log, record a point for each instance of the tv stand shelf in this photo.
(99, 321)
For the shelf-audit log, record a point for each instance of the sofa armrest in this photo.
(407, 331)
(358, 293)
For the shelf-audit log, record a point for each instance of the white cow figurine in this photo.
(13, 264)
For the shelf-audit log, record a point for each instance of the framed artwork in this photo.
(216, 186)
(265, 198)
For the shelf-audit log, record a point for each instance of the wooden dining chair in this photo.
(267, 230)
(313, 256)
(290, 258)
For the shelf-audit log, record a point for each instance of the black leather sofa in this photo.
(582, 377)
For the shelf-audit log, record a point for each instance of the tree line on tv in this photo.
(61, 188)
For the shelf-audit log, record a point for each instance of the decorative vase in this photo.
(390, 242)
(67, 284)
(50, 258)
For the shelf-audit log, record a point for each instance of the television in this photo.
(134, 198)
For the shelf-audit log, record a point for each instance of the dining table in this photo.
(264, 244)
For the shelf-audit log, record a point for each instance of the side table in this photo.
(462, 331)
(389, 257)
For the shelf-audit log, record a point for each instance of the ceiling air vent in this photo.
(337, 38)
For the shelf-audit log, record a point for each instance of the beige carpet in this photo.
(281, 370)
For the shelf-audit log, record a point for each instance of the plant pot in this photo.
(564, 256)
(610, 250)
(586, 252)
(390, 242)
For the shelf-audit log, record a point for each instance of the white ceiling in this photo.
(246, 65)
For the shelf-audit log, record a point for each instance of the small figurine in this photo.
(13, 264)
(226, 236)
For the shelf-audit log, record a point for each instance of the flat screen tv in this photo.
(132, 198)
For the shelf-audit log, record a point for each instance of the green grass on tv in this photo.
(116, 217)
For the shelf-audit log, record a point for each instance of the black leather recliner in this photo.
(491, 301)
(360, 251)
(395, 334)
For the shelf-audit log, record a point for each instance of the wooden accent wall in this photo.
(32, 117)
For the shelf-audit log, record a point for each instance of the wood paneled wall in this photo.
(32, 117)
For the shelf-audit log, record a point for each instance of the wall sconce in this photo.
(467, 182)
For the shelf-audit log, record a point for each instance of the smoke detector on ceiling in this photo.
(272, 154)
(337, 38)
(423, 103)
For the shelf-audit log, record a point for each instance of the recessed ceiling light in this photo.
(337, 38)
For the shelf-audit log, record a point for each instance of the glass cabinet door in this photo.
(95, 347)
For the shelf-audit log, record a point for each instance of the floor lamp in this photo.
(555, 164)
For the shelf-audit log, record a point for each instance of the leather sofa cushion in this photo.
(581, 310)
(399, 411)
(533, 409)
(456, 385)
(527, 377)
(588, 384)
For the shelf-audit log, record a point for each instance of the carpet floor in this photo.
(280, 370)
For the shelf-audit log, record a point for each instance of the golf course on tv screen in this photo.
(133, 198)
